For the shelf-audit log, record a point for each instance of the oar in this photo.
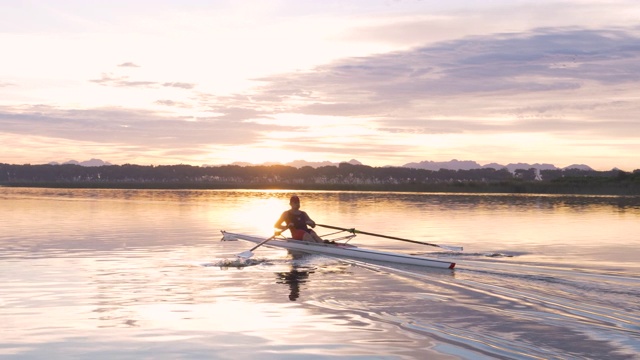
(354, 231)
(249, 253)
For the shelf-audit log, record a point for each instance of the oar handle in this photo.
(354, 231)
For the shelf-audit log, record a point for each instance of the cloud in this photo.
(180, 85)
(544, 60)
(475, 85)
(121, 81)
(108, 79)
(172, 103)
(128, 64)
(133, 127)
(472, 83)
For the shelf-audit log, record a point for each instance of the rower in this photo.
(297, 221)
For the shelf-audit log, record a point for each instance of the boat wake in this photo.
(508, 311)
(507, 254)
(301, 260)
(234, 263)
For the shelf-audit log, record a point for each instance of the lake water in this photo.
(141, 274)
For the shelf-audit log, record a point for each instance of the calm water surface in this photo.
(138, 274)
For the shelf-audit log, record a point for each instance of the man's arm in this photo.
(308, 220)
(278, 224)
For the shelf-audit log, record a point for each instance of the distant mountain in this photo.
(303, 163)
(493, 165)
(243, 163)
(579, 167)
(89, 163)
(449, 165)
(469, 165)
(428, 165)
(297, 163)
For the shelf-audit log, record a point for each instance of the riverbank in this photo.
(566, 187)
(345, 177)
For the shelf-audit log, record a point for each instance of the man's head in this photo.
(294, 201)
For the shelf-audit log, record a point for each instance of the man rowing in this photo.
(296, 221)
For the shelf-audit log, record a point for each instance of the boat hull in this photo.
(343, 250)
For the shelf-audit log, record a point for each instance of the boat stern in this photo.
(228, 236)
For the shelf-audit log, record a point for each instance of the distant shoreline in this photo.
(525, 187)
(345, 177)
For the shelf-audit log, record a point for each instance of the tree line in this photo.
(343, 177)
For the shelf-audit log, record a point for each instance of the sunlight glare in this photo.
(263, 213)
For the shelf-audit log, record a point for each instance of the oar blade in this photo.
(245, 255)
(451, 248)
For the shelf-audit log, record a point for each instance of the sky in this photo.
(385, 82)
